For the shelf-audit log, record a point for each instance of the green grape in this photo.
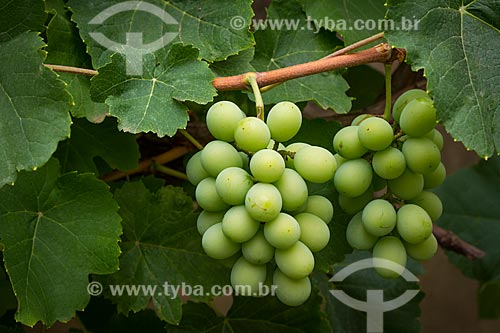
(217, 245)
(258, 250)
(238, 225)
(389, 163)
(436, 137)
(407, 186)
(346, 143)
(207, 219)
(404, 99)
(356, 235)
(424, 250)
(421, 155)
(430, 202)
(339, 159)
(263, 202)
(320, 206)
(379, 217)
(296, 261)
(247, 278)
(232, 185)
(375, 133)
(293, 148)
(356, 204)
(389, 248)
(353, 177)
(284, 121)
(194, 170)
(282, 232)
(436, 177)
(359, 119)
(207, 197)
(418, 117)
(267, 165)
(414, 224)
(293, 190)
(378, 183)
(222, 119)
(314, 232)
(219, 155)
(252, 134)
(291, 292)
(315, 164)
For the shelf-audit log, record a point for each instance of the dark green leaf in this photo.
(460, 60)
(366, 85)
(234, 65)
(8, 300)
(34, 107)
(19, 16)
(56, 230)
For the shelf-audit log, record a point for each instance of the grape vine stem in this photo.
(448, 240)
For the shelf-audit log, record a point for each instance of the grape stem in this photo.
(169, 171)
(448, 240)
(251, 80)
(388, 89)
(191, 139)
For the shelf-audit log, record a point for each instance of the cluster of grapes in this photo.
(400, 163)
(255, 199)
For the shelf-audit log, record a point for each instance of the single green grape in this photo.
(423, 250)
(407, 186)
(293, 190)
(346, 143)
(353, 177)
(436, 137)
(357, 236)
(258, 250)
(207, 197)
(222, 119)
(238, 225)
(293, 148)
(252, 134)
(291, 292)
(314, 232)
(320, 206)
(430, 202)
(389, 248)
(413, 223)
(315, 164)
(194, 169)
(418, 117)
(218, 155)
(282, 232)
(389, 163)
(404, 99)
(263, 202)
(217, 245)
(375, 133)
(207, 219)
(436, 177)
(284, 121)
(232, 185)
(296, 262)
(355, 204)
(359, 119)
(267, 165)
(379, 217)
(247, 278)
(421, 155)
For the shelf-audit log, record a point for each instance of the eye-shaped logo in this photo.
(374, 305)
(134, 49)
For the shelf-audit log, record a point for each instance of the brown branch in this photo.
(450, 241)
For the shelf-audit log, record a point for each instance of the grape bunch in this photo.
(255, 200)
(383, 178)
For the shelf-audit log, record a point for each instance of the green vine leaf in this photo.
(20, 16)
(460, 60)
(56, 229)
(34, 107)
(278, 48)
(161, 245)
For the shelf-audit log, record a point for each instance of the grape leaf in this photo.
(460, 60)
(278, 48)
(57, 229)
(346, 319)
(366, 85)
(249, 315)
(33, 107)
(65, 47)
(152, 102)
(471, 210)
(355, 20)
(161, 245)
(19, 16)
(203, 24)
(8, 300)
(234, 65)
(118, 149)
